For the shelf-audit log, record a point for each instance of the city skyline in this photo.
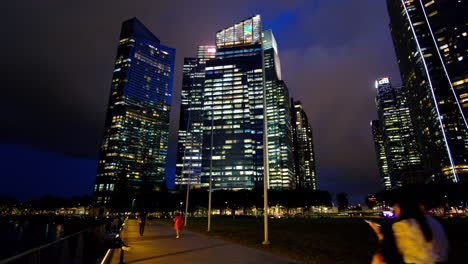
(339, 174)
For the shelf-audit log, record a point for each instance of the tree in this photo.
(371, 201)
(342, 199)
(7, 204)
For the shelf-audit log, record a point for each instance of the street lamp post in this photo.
(186, 203)
(266, 168)
(211, 173)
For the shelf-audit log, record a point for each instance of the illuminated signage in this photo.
(382, 81)
(248, 29)
(246, 32)
(210, 50)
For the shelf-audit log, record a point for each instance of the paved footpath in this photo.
(159, 245)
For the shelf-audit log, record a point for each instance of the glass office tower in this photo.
(304, 155)
(233, 109)
(430, 39)
(132, 158)
(228, 142)
(397, 132)
(189, 149)
(280, 138)
(382, 163)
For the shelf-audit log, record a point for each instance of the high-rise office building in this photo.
(245, 67)
(304, 155)
(397, 132)
(132, 158)
(280, 138)
(233, 109)
(382, 163)
(189, 149)
(430, 39)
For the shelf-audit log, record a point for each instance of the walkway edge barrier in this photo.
(110, 251)
(27, 252)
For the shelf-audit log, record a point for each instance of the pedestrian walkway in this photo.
(159, 245)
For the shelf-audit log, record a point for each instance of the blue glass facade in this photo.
(133, 154)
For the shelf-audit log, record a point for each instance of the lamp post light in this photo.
(266, 169)
(186, 203)
(210, 190)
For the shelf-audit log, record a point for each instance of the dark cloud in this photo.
(57, 61)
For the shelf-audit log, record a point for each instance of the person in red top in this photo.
(178, 222)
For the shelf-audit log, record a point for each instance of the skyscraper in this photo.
(280, 137)
(382, 162)
(189, 149)
(233, 109)
(304, 155)
(245, 67)
(430, 39)
(132, 158)
(402, 154)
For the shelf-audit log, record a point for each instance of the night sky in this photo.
(57, 63)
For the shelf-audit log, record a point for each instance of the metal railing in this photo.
(87, 246)
(110, 252)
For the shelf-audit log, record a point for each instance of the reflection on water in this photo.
(17, 236)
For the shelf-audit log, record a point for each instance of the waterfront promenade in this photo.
(159, 245)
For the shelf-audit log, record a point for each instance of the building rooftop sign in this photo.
(382, 81)
(247, 32)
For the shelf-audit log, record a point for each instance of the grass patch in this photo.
(320, 241)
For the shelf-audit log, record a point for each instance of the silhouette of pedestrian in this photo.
(142, 222)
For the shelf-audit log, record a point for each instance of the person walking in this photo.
(142, 222)
(413, 234)
(440, 245)
(415, 237)
(178, 222)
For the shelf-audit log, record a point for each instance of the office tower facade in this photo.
(190, 138)
(382, 163)
(398, 135)
(132, 158)
(430, 39)
(232, 130)
(280, 137)
(233, 109)
(304, 155)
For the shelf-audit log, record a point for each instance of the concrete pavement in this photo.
(159, 245)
